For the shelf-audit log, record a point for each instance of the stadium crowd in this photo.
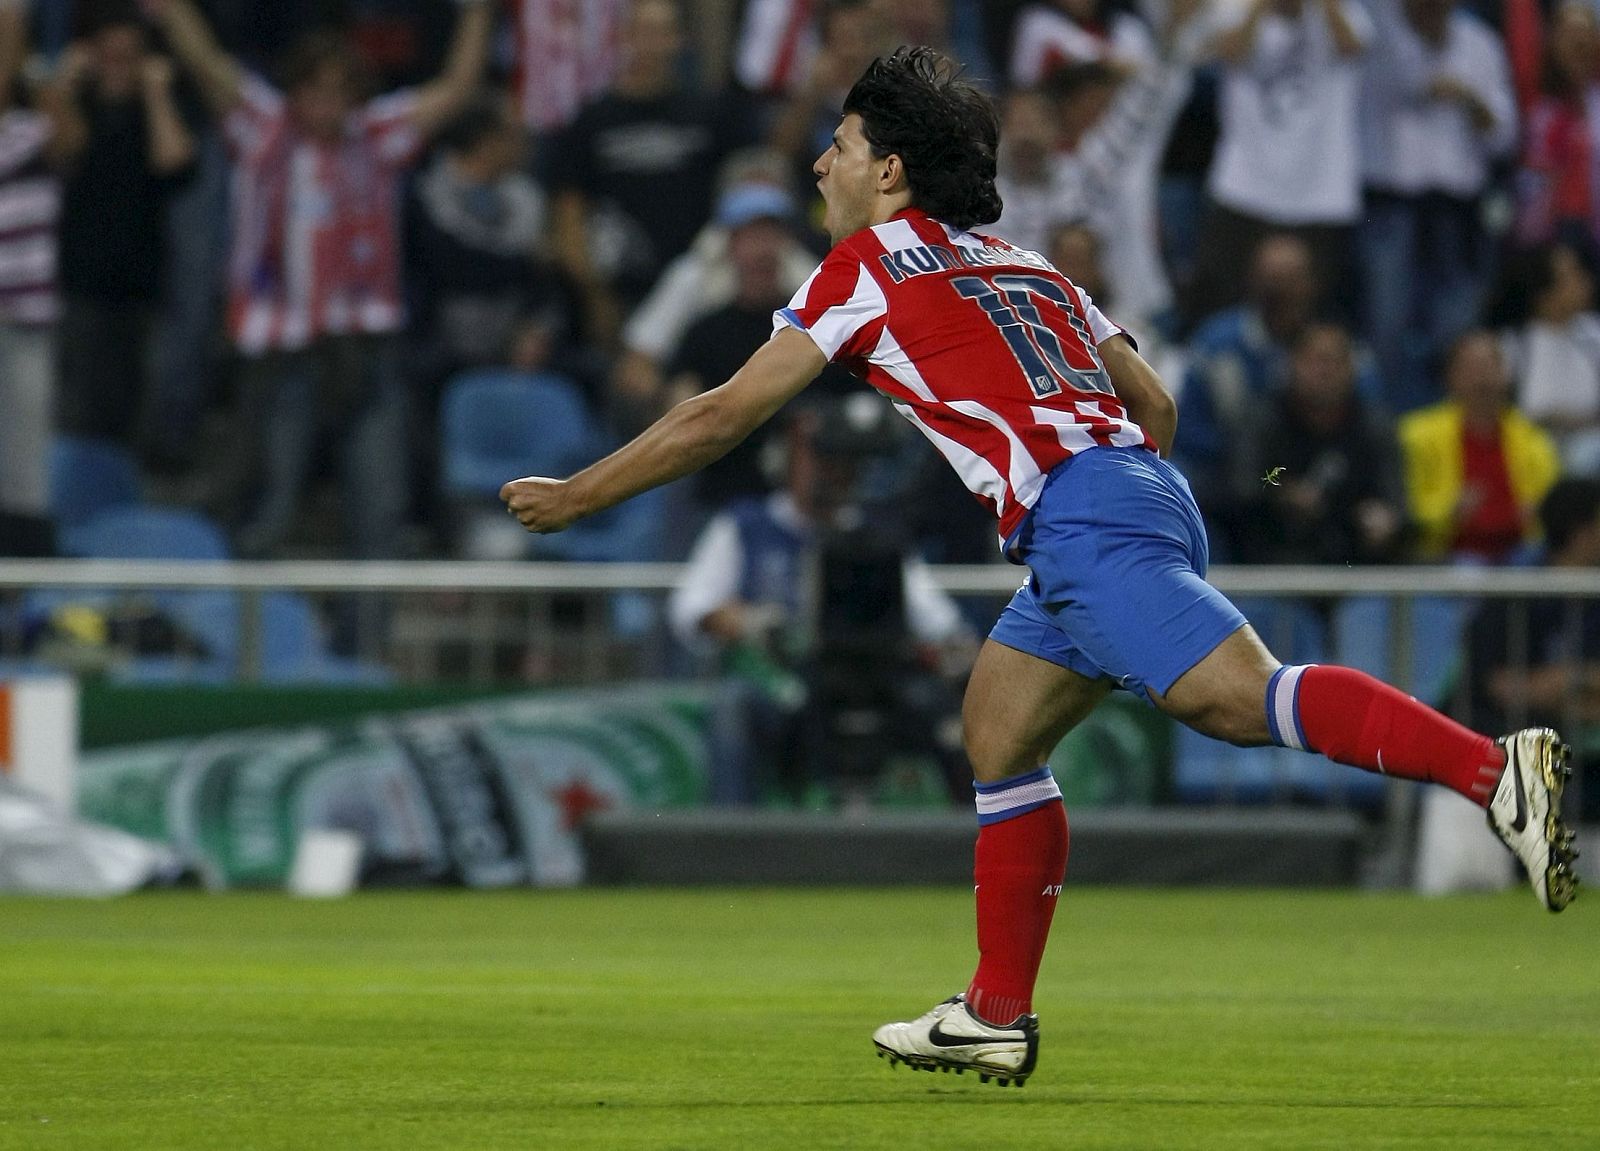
(254, 247)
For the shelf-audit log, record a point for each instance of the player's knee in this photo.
(1242, 726)
(993, 757)
(1228, 715)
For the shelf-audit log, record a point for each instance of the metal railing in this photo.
(958, 579)
(398, 611)
(574, 623)
(433, 620)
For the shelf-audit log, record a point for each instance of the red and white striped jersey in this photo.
(568, 52)
(985, 347)
(30, 204)
(316, 244)
(777, 44)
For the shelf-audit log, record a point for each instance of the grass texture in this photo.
(739, 1018)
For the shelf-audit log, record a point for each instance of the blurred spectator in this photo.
(567, 55)
(261, 35)
(936, 24)
(1025, 164)
(1111, 130)
(1316, 473)
(756, 220)
(1288, 154)
(1556, 351)
(1476, 467)
(29, 208)
(750, 593)
(315, 283)
(702, 280)
(1237, 358)
(635, 174)
(851, 35)
(401, 42)
(186, 352)
(777, 46)
(1537, 661)
(1061, 32)
(476, 224)
(1437, 110)
(1074, 249)
(124, 148)
(780, 42)
(1558, 192)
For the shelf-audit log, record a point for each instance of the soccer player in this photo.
(1052, 418)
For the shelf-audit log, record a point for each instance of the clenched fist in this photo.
(540, 504)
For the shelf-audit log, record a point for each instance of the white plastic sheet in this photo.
(46, 852)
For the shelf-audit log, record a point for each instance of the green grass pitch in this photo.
(610, 1020)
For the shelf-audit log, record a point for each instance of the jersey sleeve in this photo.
(255, 119)
(390, 124)
(1100, 328)
(840, 306)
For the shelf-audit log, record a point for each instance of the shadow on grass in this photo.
(1014, 1098)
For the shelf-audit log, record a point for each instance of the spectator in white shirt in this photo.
(1556, 351)
(751, 593)
(1050, 35)
(1437, 108)
(699, 282)
(1110, 129)
(1287, 158)
(1027, 146)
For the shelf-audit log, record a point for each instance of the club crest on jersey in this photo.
(903, 264)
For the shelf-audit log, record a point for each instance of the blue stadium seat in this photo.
(146, 533)
(294, 647)
(1291, 628)
(1364, 636)
(496, 425)
(291, 635)
(499, 424)
(1208, 771)
(151, 533)
(88, 476)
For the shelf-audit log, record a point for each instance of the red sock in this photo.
(1352, 718)
(1019, 865)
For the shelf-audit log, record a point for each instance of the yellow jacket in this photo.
(1430, 439)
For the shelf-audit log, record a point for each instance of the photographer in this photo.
(782, 589)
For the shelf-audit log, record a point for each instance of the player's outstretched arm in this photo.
(1141, 391)
(686, 439)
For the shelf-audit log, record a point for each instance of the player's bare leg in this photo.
(1221, 695)
(1241, 694)
(1018, 707)
(1016, 710)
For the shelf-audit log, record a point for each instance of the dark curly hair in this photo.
(915, 105)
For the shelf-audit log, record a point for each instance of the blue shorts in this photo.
(1118, 554)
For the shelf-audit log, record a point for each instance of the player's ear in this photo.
(891, 174)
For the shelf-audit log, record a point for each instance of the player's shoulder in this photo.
(914, 243)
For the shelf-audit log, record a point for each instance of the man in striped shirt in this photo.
(30, 204)
(1047, 411)
(314, 280)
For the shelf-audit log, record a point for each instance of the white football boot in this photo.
(1526, 812)
(951, 1038)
